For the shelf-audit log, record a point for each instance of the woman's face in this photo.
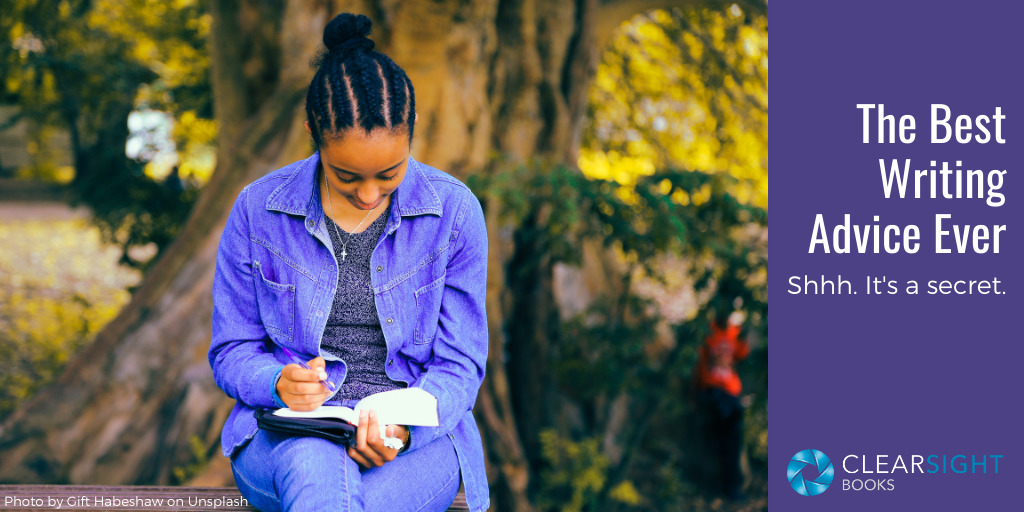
(365, 168)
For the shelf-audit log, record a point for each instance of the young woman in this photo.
(372, 266)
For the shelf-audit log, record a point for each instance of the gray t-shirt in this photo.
(353, 329)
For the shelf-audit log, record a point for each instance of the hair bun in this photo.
(348, 32)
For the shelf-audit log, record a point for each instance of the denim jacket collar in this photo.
(299, 195)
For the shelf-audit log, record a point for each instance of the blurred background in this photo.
(620, 150)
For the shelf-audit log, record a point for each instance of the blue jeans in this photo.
(280, 472)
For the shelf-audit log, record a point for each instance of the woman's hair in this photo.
(356, 86)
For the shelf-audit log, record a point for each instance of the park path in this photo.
(16, 210)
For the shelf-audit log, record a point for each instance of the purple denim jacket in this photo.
(276, 279)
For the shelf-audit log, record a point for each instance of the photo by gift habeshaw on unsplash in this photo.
(619, 154)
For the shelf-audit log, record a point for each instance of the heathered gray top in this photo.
(353, 329)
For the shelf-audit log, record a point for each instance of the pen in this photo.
(297, 360)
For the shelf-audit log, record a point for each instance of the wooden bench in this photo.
(133, 498)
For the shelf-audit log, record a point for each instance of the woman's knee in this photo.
(307, 451)
(312, 461)
(290, 469)
(424, 480)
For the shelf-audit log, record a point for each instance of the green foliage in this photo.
(606, 348)
(625, 492)
(610, 350)
(576, 472)
(82, 67)
(200, 459)
(138, 214)
(642, 220)
(674, 185)
(755, 372)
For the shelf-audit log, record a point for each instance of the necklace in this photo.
(330, 204)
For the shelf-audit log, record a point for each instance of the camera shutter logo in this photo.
(810, 472)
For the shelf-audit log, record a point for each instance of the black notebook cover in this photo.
(333, 429)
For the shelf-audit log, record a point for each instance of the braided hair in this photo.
(356, 86)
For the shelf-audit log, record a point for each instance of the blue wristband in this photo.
(273, 389)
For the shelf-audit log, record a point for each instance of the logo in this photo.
(810, 472)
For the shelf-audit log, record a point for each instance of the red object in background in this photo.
(716, 366)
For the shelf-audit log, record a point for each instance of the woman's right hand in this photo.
(300, 389)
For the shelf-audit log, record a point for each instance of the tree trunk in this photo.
(492, 77)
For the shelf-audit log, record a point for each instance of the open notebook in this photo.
(407, 406)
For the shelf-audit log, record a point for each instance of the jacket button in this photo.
(391, 362)
(389, 321)
(380, 268)
(310, 222)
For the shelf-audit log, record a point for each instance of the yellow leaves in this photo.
(578, 468)
(196, 139)
(195, 128)
(657, 48)
(142, 24)
(650, 32)
(755, 43)
(684, 90)
(613, 166)
(145, 50)
(180, 62)
(605, 79)
(182, 4)
(665, 186)
(701, 195)
(198, 163)
(17, 31)
(694, 46)
(48, 84)
(717, 31)
(193, 150)
(626, 493)
(660, 17)
(595, 165)
(60, 286)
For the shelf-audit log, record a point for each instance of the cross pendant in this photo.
(343, 254)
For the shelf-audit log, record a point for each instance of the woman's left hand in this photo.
(368, 450)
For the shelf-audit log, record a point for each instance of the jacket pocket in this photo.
(276, 305)
(428, 309)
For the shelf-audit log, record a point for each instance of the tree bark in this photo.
(492, 77)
